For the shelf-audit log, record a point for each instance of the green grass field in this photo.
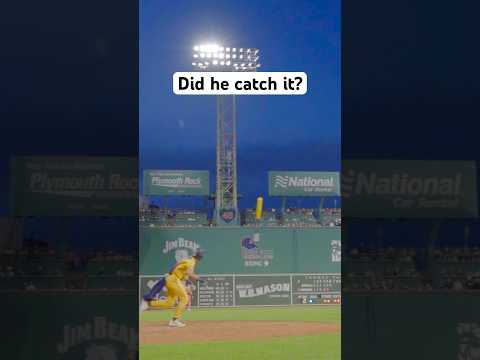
(319, 347)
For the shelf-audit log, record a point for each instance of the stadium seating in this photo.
(293, 217)
(190, 218)
(298, 217)
(330, 217)
(456, 268)
(450, 269)
(112, 283)
(181, 218)
(31, 270)
(387, 270)
(269, 218)
(153, 215)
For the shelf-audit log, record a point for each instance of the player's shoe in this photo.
(176, 323)
(143, 306)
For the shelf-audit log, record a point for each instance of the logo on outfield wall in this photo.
(281, 181)
(409, 188)
(303, 183)
(71, 186)
(355, 183)
(183, 248)
(336, 250)
(251, 291)
(175, 182)
(100, 337)
(469, 341)
(228, 215)
(251, 253)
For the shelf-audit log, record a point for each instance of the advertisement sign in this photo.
(262, 290)
(253, 253)
(409, 188)
(303, 183)
(69, 186)
(176, 182)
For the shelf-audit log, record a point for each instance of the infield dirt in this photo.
(157, 332)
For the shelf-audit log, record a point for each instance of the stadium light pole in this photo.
(215, 57)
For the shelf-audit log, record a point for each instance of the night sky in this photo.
(274, 132)
(410, 83)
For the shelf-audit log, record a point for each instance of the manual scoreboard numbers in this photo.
(317, 283)
(316, 289)
(214, 291)
(317, 299)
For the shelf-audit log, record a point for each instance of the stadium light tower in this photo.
(214, 57)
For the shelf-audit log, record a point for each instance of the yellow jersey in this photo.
(180, 271)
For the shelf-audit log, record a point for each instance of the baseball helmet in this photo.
(199, 254)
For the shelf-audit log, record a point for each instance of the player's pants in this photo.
(175, 289)
(155, 290)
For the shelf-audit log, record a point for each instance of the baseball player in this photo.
(183, 270)
(189, 287)
(153, 293)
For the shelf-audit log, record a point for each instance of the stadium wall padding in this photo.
(242, 250)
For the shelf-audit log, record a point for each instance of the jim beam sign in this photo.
(176, 182)
(71, 186)
(408, 188)
(99, 338)
(303, 183)
(182, 248)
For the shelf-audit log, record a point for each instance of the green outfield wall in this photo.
(242, 250)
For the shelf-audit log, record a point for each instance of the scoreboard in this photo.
(244, 290)
(214, 291)
(316, 289)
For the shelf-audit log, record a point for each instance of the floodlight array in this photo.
(214, 57)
